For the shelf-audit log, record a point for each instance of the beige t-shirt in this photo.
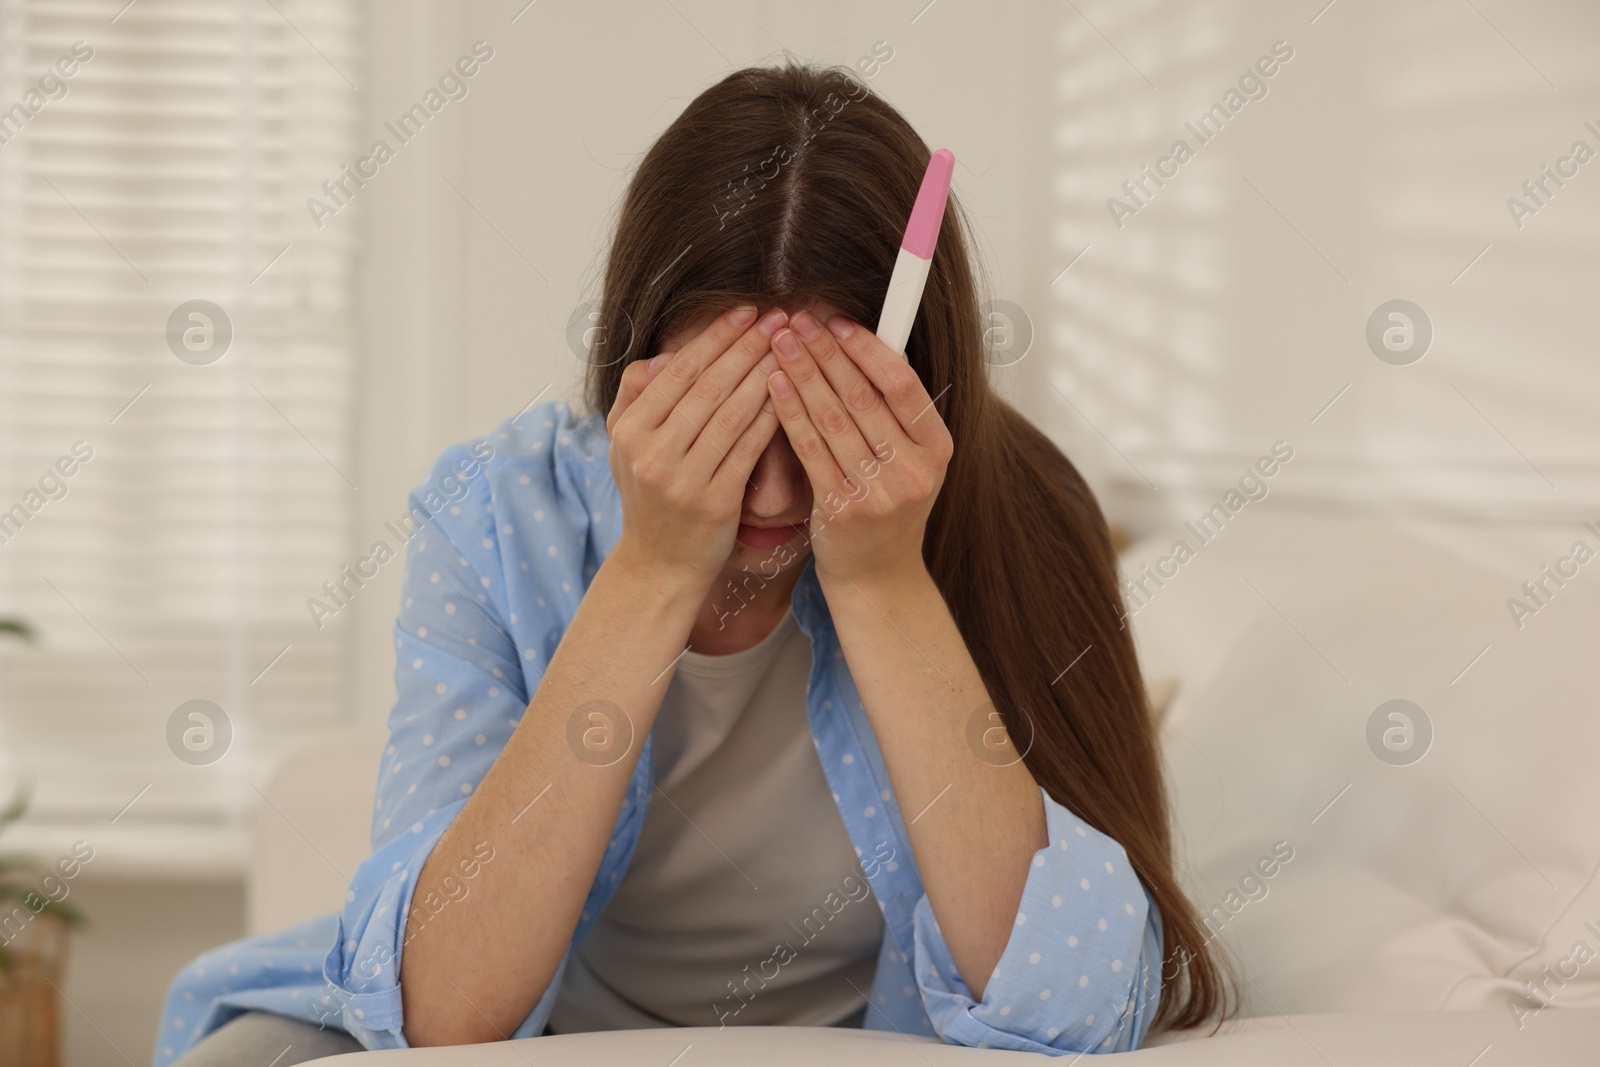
(719, 918)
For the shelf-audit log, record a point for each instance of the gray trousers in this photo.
(258, 1038)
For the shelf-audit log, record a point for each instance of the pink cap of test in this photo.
(922, 232)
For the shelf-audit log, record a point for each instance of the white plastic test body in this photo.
(900, 303)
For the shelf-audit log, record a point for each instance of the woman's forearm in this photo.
(547, 808)
(974, 826)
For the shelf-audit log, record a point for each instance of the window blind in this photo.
(211, 495)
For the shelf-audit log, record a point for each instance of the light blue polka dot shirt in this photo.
(510, 528)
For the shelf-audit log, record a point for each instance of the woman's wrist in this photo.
(667, 581)
(910, 577)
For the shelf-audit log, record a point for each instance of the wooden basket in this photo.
(30, 1010)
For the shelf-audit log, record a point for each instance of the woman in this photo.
(784, 623)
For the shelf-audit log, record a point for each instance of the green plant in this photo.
(17, 628)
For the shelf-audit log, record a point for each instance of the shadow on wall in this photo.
(1242, 195)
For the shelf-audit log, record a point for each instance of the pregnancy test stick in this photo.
(916, 253)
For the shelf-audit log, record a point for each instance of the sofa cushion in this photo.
(1445, 881)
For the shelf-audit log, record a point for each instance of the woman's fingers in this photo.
(730, 421)
(635, 376)
(721, 379)
(815, 455)
(655, 404)
(827, 414)
(896, 380)
(706, 372)
(734, 472)
(862, 398)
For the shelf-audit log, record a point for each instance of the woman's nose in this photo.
(776, 483)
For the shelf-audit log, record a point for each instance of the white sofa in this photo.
(1438, 885)
(1420, 896)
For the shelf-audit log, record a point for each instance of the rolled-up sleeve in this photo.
(1081, 971)
(459, 694)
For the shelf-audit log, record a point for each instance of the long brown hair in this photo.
(789, 187)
